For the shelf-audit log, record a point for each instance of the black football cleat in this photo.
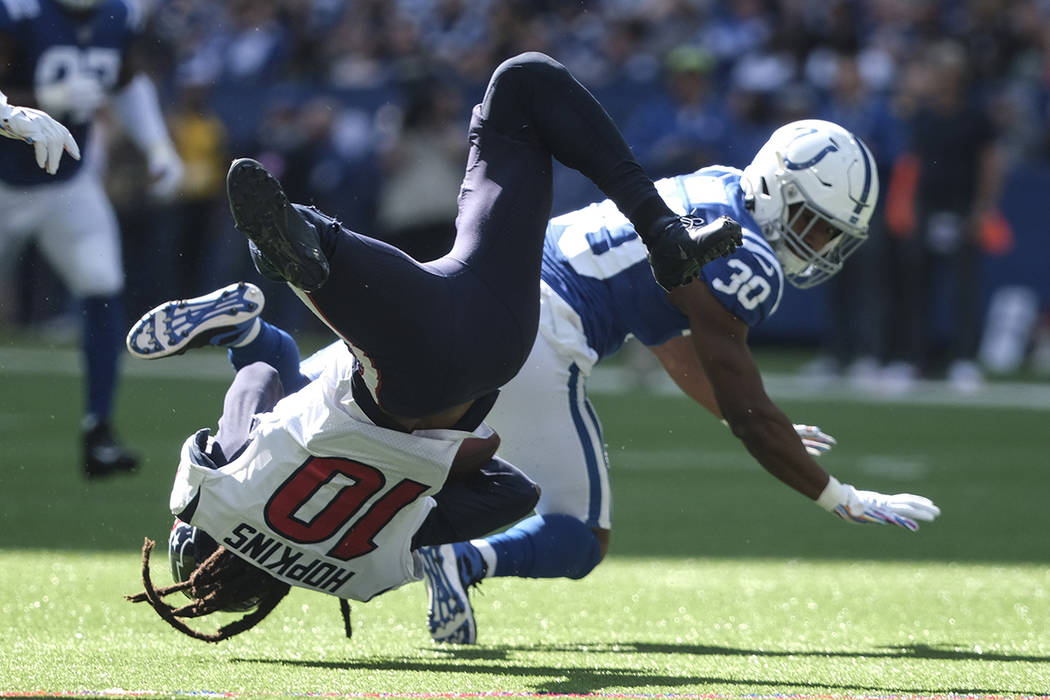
(103, 455)
(263, 266)
(685, 245)
(282, 242)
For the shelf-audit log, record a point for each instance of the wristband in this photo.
(832, 496)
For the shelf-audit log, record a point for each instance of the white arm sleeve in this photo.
(138, 108)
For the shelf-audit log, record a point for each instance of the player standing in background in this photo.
(68, 57)
(804, 204)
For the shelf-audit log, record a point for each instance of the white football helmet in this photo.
(809, 174)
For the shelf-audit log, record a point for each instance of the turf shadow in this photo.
(594, 680)
(908, 651)
(576, 680)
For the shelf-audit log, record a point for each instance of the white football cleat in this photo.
(222, 318)
(451, 617)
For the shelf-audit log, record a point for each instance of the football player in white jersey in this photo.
(300, 485)
(334, 487)
(67, 58)
(804, 204)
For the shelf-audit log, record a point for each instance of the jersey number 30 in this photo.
(749, 288)
(326, 493)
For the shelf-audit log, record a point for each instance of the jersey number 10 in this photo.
(343, 486)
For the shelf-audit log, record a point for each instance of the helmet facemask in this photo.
(793, 241)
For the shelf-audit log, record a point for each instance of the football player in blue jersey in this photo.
(67, 57)
(804, 204)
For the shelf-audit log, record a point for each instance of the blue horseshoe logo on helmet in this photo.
(830, 148)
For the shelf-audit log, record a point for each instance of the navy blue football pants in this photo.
(438, 334)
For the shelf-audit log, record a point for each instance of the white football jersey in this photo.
(321, 498)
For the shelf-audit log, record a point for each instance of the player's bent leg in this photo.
(286, 243)
(580, 134)
(255, 389)
(497, 495)
(223, 318)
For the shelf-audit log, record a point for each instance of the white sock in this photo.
(488, 555)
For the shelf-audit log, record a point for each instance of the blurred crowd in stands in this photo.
(361, 107)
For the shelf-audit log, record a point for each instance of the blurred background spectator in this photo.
(954, 166)
(854, 344)
(683, 124)
(421, 165)
(361, 107)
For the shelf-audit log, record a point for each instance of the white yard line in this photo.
(206, 364)
(211, 364)
(789, 387)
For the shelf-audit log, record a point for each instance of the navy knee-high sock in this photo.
(102, 342)
(277, 349)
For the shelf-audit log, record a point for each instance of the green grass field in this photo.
(720, 581)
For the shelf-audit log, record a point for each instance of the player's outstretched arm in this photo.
(720, 342)
(47, 136)
(679, 359)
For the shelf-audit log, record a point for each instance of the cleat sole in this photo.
(262, 212)
(174, 327)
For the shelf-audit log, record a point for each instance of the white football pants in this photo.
(549, 429)
(75, 228)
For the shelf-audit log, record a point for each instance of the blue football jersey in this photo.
(594, 260)
(51, 43)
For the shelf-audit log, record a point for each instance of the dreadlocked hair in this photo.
(223, 581)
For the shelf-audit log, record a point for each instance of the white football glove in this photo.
(48, 137)
(815, 440)
(901, 509)
(165, 171)
(78, 97)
